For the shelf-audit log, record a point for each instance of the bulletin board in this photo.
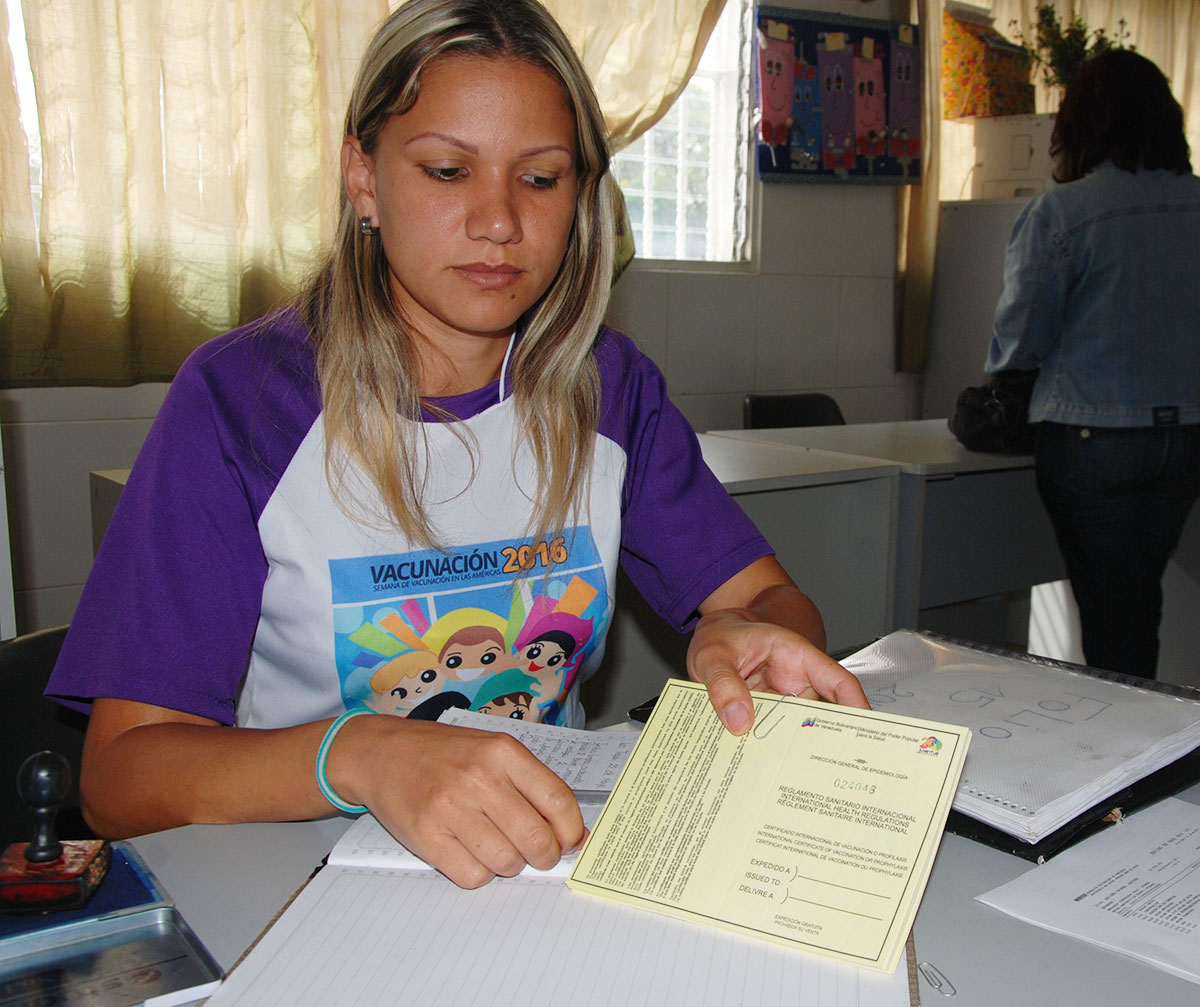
(839, 98)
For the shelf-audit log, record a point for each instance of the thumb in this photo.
(730, 698)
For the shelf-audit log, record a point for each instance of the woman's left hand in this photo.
(759, 631)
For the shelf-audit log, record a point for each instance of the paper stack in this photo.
(1053, 742)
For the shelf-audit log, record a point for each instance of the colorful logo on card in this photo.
(930, 745)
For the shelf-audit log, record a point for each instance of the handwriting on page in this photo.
(586, 760)
(1006, 716)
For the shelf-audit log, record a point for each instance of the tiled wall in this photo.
(815, 315)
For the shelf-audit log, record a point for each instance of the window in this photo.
(685, 181)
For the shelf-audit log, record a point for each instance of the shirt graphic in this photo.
(500, 627)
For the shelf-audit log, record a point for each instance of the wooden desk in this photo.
(230, 880)
(970, 525)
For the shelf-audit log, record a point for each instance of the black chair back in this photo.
(801, 409)
(29, 723)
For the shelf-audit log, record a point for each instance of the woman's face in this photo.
(473, 191)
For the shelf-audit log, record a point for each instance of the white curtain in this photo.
(187, 151)
(188, 162)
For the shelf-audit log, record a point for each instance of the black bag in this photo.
(994, 417)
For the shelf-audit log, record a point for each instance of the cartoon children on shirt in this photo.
(400, 685)
(469, 643)
(509, 694)
(546, 649)
(521, 664)
(412, 685)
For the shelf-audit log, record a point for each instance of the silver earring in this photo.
(364, 225)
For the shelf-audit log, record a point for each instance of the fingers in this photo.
(472, 804)
(540, 815)
(730, 698)
(770, 659)
(834, 683)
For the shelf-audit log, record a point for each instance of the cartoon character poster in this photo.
(501, 627)
(855, 108)
(805, 138)
(870, 127)
(904, 103)
(835, 71)
(776, 76)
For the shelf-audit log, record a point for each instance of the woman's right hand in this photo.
(473, 804)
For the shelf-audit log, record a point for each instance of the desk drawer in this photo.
(985, 533)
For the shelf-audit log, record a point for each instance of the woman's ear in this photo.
(358, 176)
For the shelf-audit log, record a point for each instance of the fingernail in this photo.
(737, 717)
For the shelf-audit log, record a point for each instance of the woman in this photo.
(436, 449)
(1102, 292)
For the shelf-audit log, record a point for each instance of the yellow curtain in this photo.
(187, 150)
(1164, 31)
(189, 157)
(640, 54)
(917, 205)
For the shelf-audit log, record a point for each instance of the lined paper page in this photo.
(361, 938)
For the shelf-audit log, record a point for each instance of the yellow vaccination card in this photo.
(817, 830)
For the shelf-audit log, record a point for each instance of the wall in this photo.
(816, 314)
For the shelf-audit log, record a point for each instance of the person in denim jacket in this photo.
(1102, 293)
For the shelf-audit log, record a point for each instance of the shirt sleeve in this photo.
(169, 610)
(682, 534)
(1030, 312)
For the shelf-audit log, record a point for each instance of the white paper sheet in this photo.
(1049, 741)
(1133, 888)
(589, 761)
(372, 938)
(368, 844)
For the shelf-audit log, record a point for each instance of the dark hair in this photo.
(1118, 108)
(560, 638)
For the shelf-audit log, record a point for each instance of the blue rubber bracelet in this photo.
(323, 754)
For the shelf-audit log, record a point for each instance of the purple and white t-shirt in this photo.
(232, 584)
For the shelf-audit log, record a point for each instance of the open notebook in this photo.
(376, 926)
(1057, 748)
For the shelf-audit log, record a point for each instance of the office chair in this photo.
(29, 722)
(803, 409)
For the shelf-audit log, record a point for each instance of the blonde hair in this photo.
(366, 354)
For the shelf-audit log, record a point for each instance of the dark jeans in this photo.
(1118, 498)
